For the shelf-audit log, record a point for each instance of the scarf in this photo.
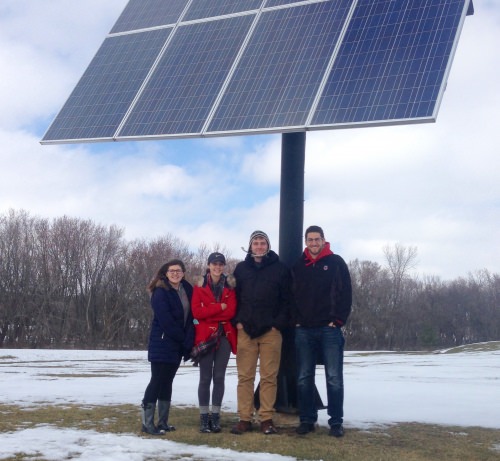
(324, 252)
(216, 288)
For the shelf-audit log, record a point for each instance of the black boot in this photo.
(148, 419)
(204, 423)
(163, 411)
(215, 422)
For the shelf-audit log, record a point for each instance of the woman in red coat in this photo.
(213, 306)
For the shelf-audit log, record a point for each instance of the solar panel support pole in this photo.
(293, 150)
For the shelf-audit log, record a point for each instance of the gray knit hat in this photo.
(259, 234)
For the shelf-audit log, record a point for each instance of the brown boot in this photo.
(241, 427)
(267, 427)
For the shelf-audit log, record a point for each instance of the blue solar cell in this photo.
(391, 63)
(188, 78)
(210, 8)
(142, 14)
(271, 3)
(103, 95)
(279, 73)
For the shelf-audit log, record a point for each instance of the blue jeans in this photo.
(326, 343)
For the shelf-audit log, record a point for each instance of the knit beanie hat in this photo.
(258, 234)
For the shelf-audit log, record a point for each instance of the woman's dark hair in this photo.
(160, 275)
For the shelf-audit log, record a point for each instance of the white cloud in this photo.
(262, 166)
(45, 47)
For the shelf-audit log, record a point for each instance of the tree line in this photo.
(72, 283)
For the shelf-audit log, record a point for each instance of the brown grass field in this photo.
(408, 442)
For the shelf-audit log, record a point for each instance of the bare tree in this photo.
(400, 260)
(17, 277)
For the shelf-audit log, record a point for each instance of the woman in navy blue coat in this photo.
(171, 340)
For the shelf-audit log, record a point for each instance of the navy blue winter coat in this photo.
(170, 339)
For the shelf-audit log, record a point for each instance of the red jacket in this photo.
(209, 313)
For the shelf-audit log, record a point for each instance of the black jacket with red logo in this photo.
(322, 290)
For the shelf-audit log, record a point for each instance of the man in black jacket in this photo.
(323, 297)
(263, 292)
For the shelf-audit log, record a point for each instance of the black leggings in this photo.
(160, 385)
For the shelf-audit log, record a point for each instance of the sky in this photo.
(431, 186)
(458, 387)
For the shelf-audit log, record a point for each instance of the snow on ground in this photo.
(460, 388)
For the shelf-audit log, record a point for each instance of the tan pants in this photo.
(266, 349)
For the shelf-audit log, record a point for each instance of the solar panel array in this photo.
(191, 68)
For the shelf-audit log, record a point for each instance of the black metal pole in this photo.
(293, 151)
(293, 147)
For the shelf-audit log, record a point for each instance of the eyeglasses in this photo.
(316, 240)
(175, 271)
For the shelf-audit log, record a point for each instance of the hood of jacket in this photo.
(162, 283)
(201, 281)
(326, 251)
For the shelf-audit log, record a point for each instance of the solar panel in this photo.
(278, 76)
(178, 97)
(271, 3)
(144, 14)
(391, 64)
(200, 9)
(187, 68)
(103, 95)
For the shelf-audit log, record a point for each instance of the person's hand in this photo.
(223, 306)
(239, 326)
(331, 324)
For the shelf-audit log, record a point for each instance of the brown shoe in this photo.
(241, 427)
(267, 427)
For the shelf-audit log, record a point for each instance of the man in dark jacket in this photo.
(323, 297)
(263, 292)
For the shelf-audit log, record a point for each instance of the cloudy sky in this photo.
(433, 186)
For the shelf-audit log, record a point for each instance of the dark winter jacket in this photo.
(208, 312)
(170, 339)
(264, 295)
(322, 290)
